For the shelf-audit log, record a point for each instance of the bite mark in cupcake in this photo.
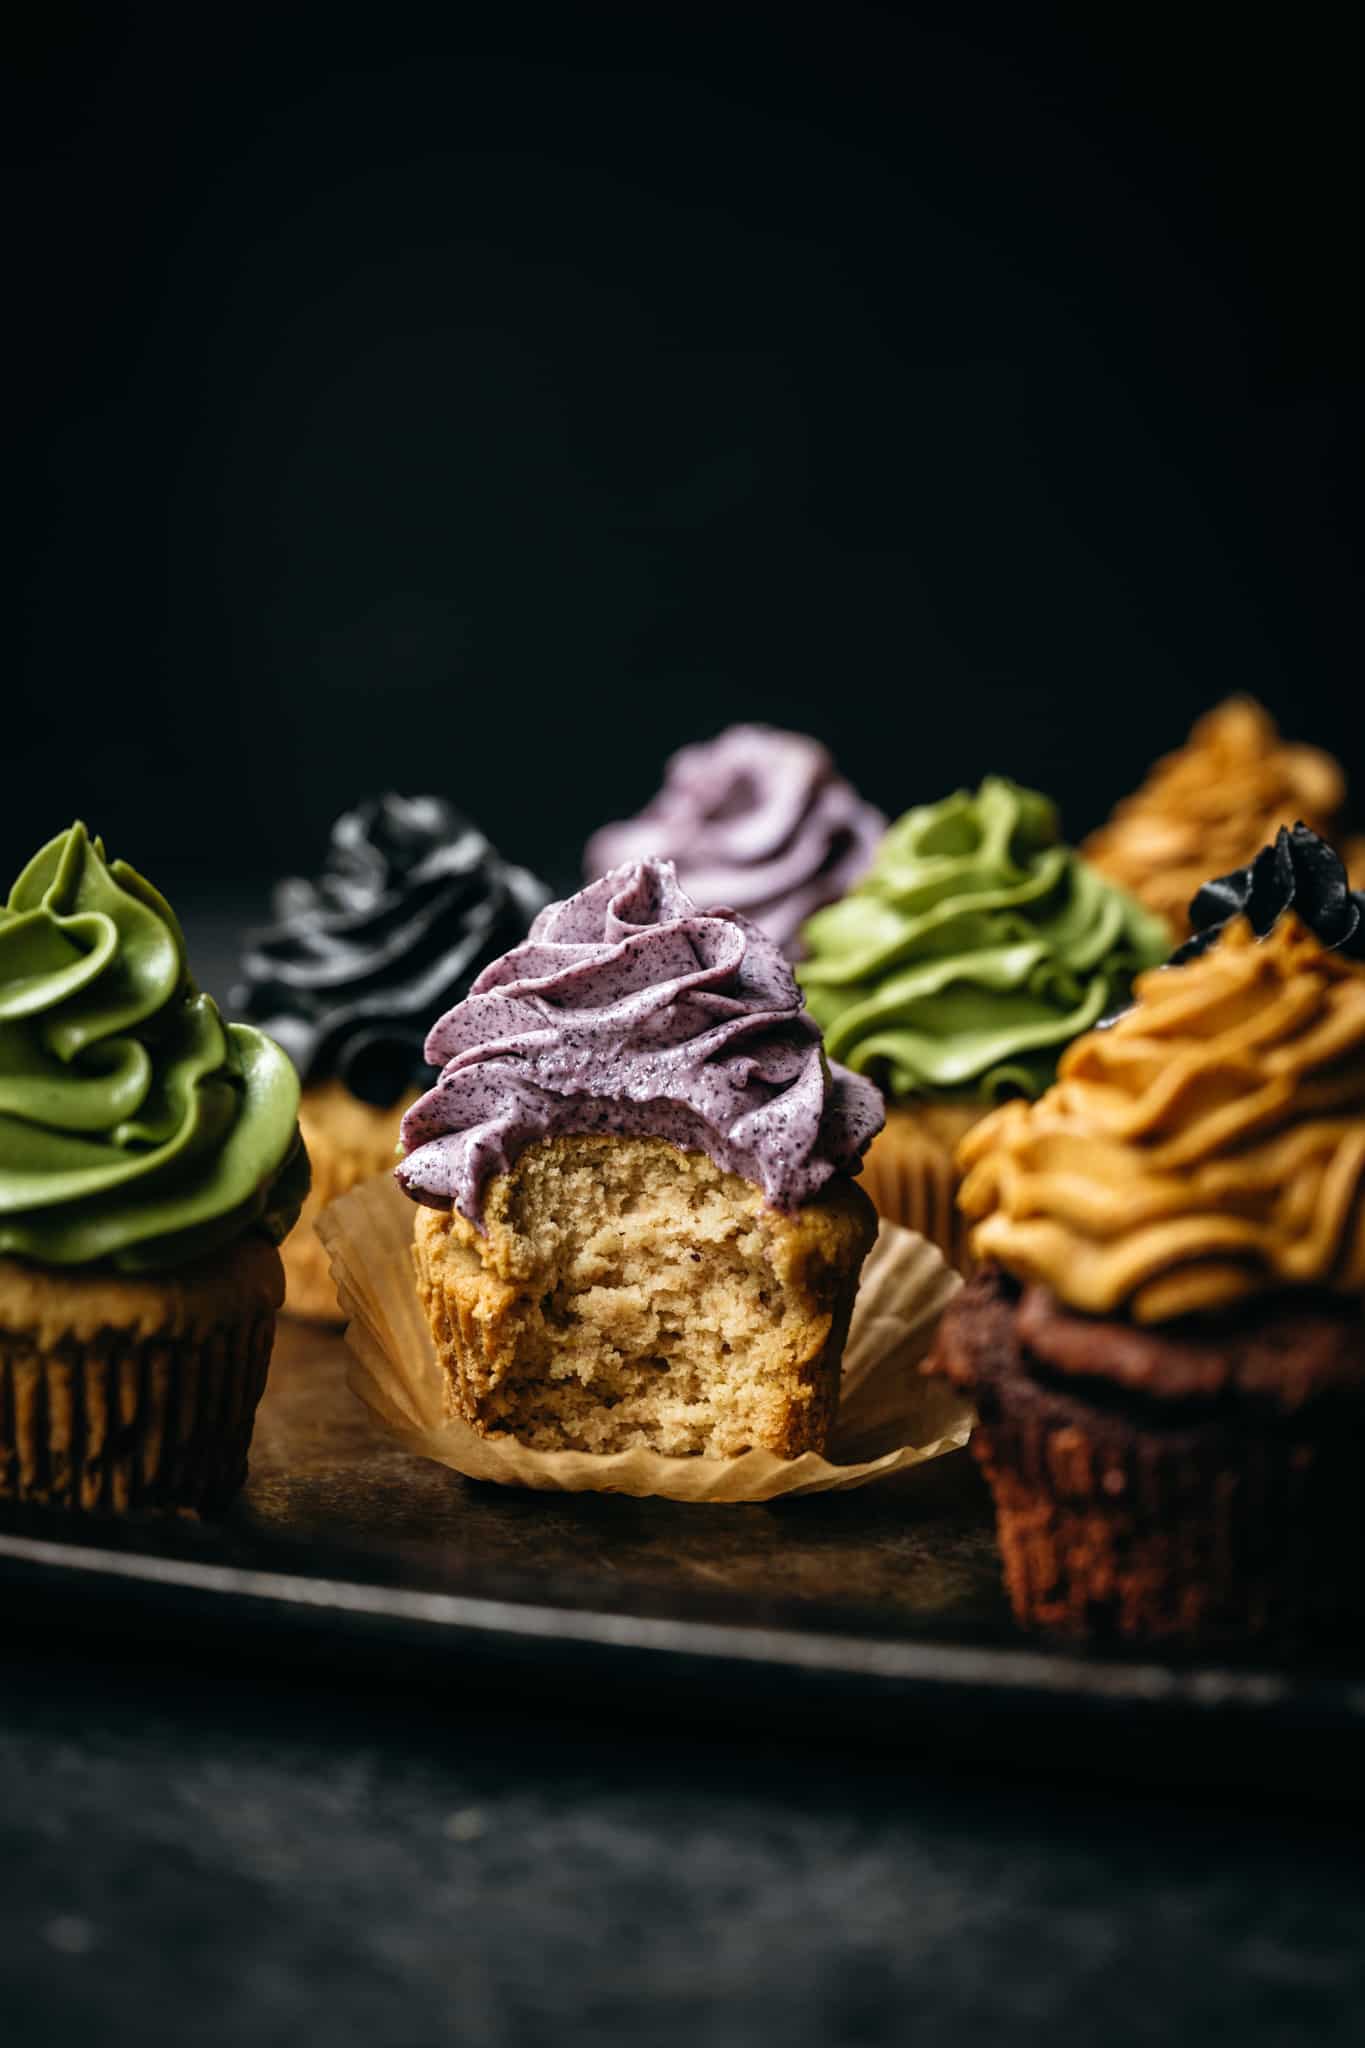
(671, 1046)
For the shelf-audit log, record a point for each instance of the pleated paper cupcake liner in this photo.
(347, 1142)
(911, 1174)
(890, 1417)
(121, 1422)
(1226, 1529)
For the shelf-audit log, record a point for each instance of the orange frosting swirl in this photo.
(1208, 1146)
(1211, 806)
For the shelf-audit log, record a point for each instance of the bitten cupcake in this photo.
(757, 820)
(1207, 808)
(412, 903)
(638, 1226)
(973, 952)
(1165, 1341)
(150, 1162)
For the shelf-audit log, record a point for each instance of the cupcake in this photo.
(150, 1163)
(1207, 808)
(411, 904)
(963, 964)
(1165, 1340)
(638, 1226)
(758, 820)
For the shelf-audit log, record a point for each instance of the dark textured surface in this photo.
(254, 1853)
(225, 1862)
(323, 1471)
(263, 1852)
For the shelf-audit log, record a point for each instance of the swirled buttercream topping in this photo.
(412, 903)
(976, 948)
(1300, 872)
(629, 1010)
(758, 820)
(1208, 1146)
(136, 1127)
(1209, 807)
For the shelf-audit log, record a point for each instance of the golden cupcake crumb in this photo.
(629, 1295)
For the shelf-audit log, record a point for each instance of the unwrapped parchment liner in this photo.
(890, 1416)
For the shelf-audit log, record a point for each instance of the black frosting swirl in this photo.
(411, 905)
(1300, 872)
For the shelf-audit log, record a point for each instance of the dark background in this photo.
(490, 401)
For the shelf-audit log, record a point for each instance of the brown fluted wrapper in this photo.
(124, 1394)
(347, 1140)
(1153, 1541)
(911, 1173)
(1116, 1521)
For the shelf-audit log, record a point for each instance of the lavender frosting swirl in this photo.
(759, 820)
(630, 1011)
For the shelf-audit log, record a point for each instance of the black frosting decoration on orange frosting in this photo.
(411, 904)
(1299, 872)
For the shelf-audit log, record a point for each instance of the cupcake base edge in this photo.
(146, 1400)
(1121, 1518)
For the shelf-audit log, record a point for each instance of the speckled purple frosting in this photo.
(759, 820)
(629, 1010)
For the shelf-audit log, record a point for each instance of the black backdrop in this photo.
(489, 402)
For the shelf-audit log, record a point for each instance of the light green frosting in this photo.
(136, 1127)
(974, 951)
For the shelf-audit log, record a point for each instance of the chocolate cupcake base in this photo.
(1139, 1516)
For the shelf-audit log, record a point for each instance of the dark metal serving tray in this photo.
(883, 1604)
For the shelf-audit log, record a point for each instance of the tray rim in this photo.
(1010, 1674)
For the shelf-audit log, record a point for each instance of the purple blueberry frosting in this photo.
(629, 1010)
(759, 820)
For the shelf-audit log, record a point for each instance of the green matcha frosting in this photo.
(973, 951)
(136, 1127)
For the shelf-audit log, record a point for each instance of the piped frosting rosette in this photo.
(1207, 1147)
(1299, 873)
(1210, 805)
(136, 1127)
(757, 820)
(629, 1010)
(412, 903)
(974, 951)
